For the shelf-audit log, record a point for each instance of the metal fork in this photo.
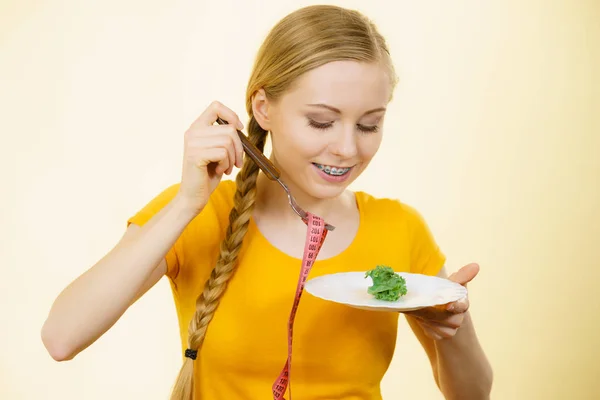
(270, 171)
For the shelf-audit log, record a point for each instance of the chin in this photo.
(326, 191)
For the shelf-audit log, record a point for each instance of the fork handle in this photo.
(255, 154)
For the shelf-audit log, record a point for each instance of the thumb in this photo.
(465, 274)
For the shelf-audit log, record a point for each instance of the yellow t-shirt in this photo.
(338, 352)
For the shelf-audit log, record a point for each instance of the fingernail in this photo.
(240, 125)
(451, 307)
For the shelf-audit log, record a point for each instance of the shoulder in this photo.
(401, 226)
(201, 236)
(221, 201)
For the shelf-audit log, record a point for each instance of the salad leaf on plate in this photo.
(387, 285)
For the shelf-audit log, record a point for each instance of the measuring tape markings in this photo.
(315, 236)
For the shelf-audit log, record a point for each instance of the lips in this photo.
(333, 170)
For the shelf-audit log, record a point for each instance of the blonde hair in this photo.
(301, 41)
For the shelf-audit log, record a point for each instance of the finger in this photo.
(465, 274)
(433, 334)
(234, 144)
(213, 111)
(446, 332)
(439, 330)
(202, 143)
(218, 155)
(238, 158)
(430, 313)
(230, 131)
(453, 321)
(459, 307)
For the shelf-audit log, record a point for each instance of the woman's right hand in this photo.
(209, 152)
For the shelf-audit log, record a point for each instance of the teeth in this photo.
(332, 170)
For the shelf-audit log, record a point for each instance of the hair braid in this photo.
(208, 301)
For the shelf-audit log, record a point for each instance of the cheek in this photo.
(369, 145)
(296, 141)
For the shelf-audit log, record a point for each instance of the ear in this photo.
(260, 109)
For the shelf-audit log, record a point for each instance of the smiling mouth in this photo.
(333, 171)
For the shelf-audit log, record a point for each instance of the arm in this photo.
(93, 303)
(460, 367)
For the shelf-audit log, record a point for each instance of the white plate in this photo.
(350, 288)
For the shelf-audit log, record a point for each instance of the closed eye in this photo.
(319, 125)
(367, 129)
(327, 125)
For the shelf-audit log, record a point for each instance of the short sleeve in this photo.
(425, 255)
(173, 256)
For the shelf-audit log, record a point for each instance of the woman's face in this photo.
(328, 126)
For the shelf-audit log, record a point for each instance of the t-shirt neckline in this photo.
(345, 253)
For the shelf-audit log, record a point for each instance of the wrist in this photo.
(185, 209)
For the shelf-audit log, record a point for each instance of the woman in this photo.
(232, 251)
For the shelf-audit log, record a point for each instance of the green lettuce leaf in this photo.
(387, 285)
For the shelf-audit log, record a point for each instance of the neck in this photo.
(272, 201)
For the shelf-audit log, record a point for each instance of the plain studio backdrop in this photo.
(493, 135)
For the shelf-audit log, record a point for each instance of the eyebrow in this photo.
(336, 110)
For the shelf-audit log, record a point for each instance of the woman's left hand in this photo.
(443, 321)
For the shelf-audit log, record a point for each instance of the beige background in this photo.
(493, 136)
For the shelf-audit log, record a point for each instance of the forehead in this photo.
(350, 86)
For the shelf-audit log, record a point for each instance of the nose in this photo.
(344, 143)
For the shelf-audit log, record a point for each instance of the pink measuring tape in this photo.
(315, 236)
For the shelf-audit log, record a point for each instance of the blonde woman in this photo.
(232, 250)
